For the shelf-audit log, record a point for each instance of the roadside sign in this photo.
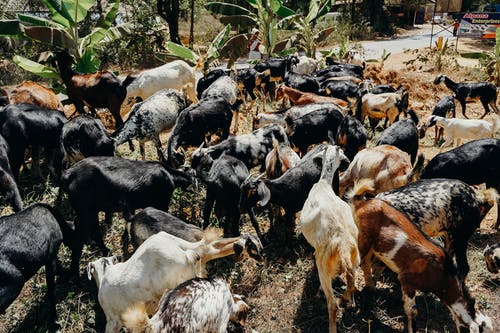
(479, 25)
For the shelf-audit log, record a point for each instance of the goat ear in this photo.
(90, 270)
(264, 194)
(238, 247)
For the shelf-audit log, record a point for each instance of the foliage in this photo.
(267, 15)
(439, 58)
(341, 52)
(489, 60)
(61, 31)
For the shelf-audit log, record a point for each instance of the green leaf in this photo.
(474, 55)
(11, 28)
(30, 20)
(325, 8)
(497, 44)
(101, 35)
(275, 5)
(313, 10)
(59, 12)
(181, 52)
(51, 36)
(253, 3)
(218, 42)
(109, 14)
(77, 8)
(36, 68)
(169, 57)
(88, 63)
(284, 11)
(226, 9)
(286, 52)
(239, 20)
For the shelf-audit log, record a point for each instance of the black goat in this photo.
(351, 136)
(195, 123)
(402, 134)
(304, 129)
(336, 69)
(484, 91)
(250, 148)
(344, 89)
(304, 83)
(446, 207)
(223, 189)
(85, 136)
(289, 191)
(8, 185)
(30, 239)
(150, 221)
(475, 162)
(24, 125)
(4, 97)
(112, 184)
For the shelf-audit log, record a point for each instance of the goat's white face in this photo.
(97, 268)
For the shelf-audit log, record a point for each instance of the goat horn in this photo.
(248, 178)
(260, 176)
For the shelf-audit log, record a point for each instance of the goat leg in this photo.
(410, 309)
(255, 224)
(486, 108)
(462, 103)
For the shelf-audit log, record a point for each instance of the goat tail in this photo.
(414, 175)
(362, 190)
(349, 255)
(135, 318)
(128, 80)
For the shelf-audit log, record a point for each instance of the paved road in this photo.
(374, 49)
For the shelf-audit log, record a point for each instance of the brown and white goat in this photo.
(388, 166)
(421, 265)
(197, 305)
(281, 158)
(327, 224)
(33, 93)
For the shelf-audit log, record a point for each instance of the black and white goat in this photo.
(209, 78)
(486, 92)
(30, 239)
(444, 107)
(444, 207)
(277, 66)
(195, 123)
(475, 162)
(197, 305)
(112, 184)
(250, 148)
(150, 117)
(85, 136)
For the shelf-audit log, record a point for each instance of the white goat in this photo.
(305, 65)
(162, 262)
(197, 305)
(328, 225)
(97, 268)
(380, 106)
(456, 129)
(176, 75)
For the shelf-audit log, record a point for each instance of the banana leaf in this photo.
(36, 68)
(239, 20)
(30, 20)
(51, 36)
(78, 9)
(169, 57)
(181, 52)
(59, 12)
(108, 14)
(88, 63)
(227, 9)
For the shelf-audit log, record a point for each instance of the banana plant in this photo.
(308, 37)
(176, 51)
(60, 31)
(268, 15)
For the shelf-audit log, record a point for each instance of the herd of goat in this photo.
(357, 203)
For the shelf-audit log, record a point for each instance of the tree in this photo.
(62, 31)
(169, 11)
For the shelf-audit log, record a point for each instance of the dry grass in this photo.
(283, 290)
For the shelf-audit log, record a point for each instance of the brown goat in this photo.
(302, 98)
(33, 93)
(421, 265)
(96, 90)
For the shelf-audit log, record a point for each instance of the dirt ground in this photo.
(283, 290)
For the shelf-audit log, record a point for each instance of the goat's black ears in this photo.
(238, 248)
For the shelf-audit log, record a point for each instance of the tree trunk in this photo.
(191, 27)
(169, 11)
